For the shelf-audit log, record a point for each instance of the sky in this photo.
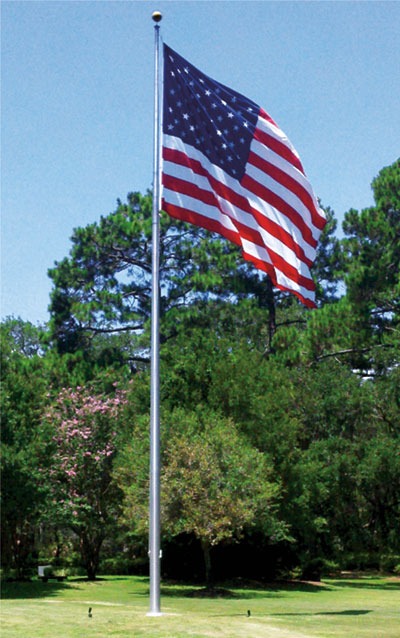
(77, 107)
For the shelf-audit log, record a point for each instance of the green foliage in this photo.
(104, 286)
(23, 395)
(215, 484)
(326, 268)
(371, 263)
(77, 467)
(280, 425)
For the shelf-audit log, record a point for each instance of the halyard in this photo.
(367, 607)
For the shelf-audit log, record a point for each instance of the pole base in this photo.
(154, 613)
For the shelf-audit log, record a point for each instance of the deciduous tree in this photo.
(82, 430)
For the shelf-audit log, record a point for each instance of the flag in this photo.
(229, 168)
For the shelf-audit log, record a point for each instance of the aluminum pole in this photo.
(154, 509)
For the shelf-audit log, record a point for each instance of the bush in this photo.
(389, 563)
(315, 568)
(361, 561)
(124, 566)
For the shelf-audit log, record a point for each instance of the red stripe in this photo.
(290, 271)
(269, 269)
(278, 147)
(280, 204)
(266, 116)
(180, 186)
(187, 188)
(291, 184)
(239, 201)
(269, 225)
(197, 219)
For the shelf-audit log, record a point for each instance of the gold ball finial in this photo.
(157, 16)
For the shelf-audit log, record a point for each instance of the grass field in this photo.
(366, 607)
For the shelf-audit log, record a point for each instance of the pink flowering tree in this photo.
(78, 468)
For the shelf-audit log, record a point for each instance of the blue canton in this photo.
(205, 114)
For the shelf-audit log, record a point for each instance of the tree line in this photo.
(280, 425)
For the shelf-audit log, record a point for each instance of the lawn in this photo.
(366, 607)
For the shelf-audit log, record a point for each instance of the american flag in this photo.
(229, 168)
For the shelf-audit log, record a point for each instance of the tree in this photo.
(378, 474)
(214, 484)
(104, 286)
(77, 468)
(371, 263)
(23, 395)
(326, 267)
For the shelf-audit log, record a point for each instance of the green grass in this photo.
(366, 607)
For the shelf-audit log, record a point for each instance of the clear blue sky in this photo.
(77, 107)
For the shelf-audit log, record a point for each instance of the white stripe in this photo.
(275, 215)
(282, 279)
(257, 251)
(228, 221)
(277, 133)
(175, 143)
(197, 206)
(287, 195)
(287, 167)
(229, 213)
(237, 214)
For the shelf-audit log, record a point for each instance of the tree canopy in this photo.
(280, 425)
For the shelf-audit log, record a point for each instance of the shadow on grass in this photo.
(37, 589)
(31, 589)
(345, 612)
(240, 591)
(367, 584)
(216, 592)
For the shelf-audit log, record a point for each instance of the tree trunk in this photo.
(206, 547)
(271, 309)
(90, 553)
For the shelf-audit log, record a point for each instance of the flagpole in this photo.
(154, 507)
